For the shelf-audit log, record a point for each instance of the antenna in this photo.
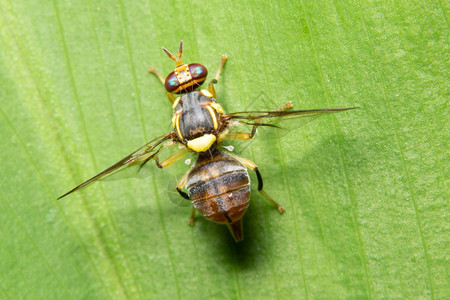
(180, 49)
(177, 60)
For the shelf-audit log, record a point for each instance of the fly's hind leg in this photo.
(154, 72)
(216, 78)
(191, 219)
(252, 166)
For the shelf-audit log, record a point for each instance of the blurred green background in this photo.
(366, 192)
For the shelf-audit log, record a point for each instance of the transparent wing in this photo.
(173, 194)
(266, 118)
(275, 123)
(130, 165)
(279, 118)
(263, 107)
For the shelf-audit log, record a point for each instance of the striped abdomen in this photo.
(219, 187)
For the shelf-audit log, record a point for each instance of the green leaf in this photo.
(365, 191)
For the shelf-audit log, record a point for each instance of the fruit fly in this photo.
(218, 184)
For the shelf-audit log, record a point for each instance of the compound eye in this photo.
(198, 73)
(172, 82)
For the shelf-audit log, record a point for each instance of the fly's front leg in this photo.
(252, 166)
(169, 95)
(216, 78)
(156, 73)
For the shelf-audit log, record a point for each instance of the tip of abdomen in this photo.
(236, 230)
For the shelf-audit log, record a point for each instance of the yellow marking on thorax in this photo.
(217, 107)
(202, 143)
(177, 126)
(206, 93)
(174, 121)
(175, 103)
(212, 112)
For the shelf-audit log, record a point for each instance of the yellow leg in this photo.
(211, 89)
(242, 136)
(153, 71)
(171, 159)
(169, 95)
(285, 106)
(252, 166)
(270, 199)
(216, 78)
(222, 63)
(191, 219)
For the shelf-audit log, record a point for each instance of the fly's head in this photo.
(186, 77)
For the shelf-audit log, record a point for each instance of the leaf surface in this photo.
(365, 191)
